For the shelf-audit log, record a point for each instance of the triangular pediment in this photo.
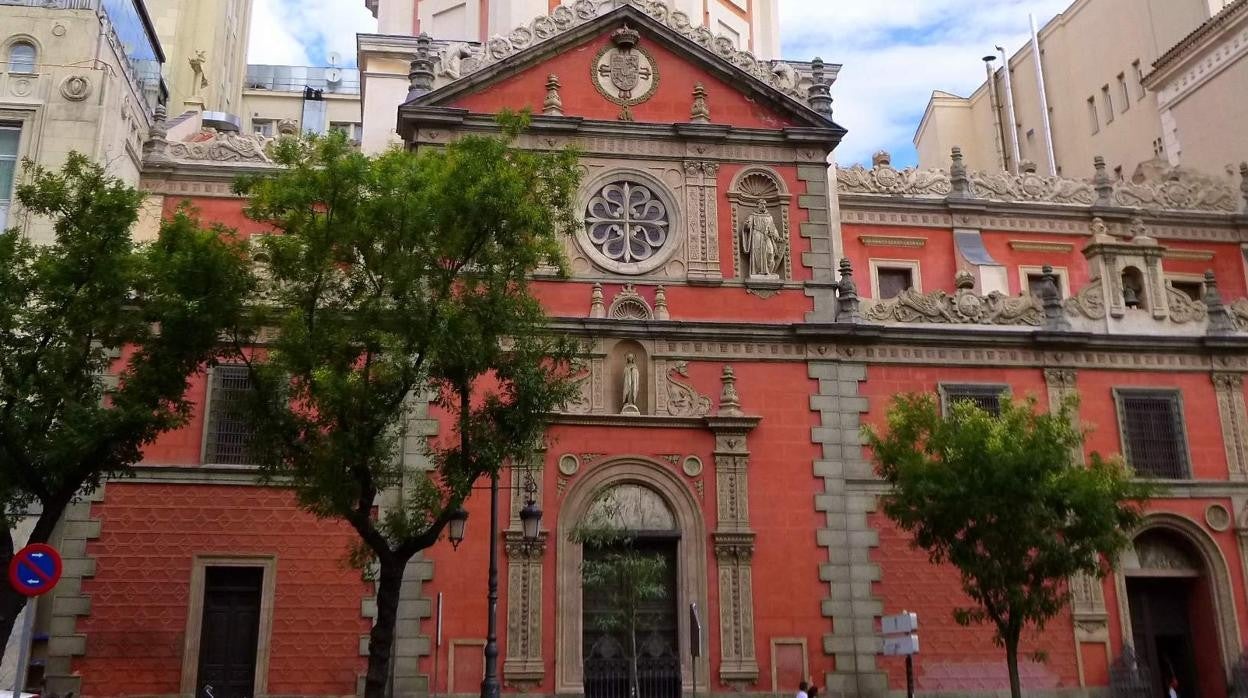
(574, 41)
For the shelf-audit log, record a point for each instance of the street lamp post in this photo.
(531, 523)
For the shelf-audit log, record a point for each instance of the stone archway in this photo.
(1172, 547)
(691, 555)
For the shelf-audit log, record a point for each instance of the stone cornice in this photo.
(1189, 44)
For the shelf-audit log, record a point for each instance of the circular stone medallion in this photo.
(569, 464)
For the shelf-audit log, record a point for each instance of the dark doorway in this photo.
(231, 627)
(606, 649)
(1162, 625)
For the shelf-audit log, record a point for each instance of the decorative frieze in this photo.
(523, 665)
(891, 241)
(963, 307)
(1233, 415)
(702, 221)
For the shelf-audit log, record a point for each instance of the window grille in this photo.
(986, 397)
(228, 431)
(1152, 433)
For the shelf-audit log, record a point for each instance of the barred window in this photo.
(1153, 441)
(227, 430)
(986, 397)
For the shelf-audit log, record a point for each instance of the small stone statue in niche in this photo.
(632, 380)
(761, 243)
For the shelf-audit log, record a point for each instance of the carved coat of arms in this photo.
(624, 72)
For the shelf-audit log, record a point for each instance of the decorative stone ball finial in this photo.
(819, 95)
(1221, 322)
(847, 294)
(597, 309)
(553, 106)
(660, 304)
(1051, 298)
(420, 78)
(960, 184)
(1101, 181)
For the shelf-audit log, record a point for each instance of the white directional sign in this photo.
(900, 623)
(901, 645)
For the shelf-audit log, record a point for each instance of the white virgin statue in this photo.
(632, 379)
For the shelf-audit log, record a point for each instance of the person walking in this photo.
(801, 690)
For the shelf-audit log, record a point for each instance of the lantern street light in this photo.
(455, 527)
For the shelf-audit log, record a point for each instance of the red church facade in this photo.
(772, 307)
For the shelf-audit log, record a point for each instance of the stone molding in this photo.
(891, 241)
(702, 221)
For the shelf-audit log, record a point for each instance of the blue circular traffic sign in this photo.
(35, 569)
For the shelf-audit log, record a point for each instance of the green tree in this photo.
(627, 579)
(67, 309)
(396, 277)
(1006, 501)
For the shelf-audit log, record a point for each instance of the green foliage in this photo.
(1007, 501)
(64, 305)
(395, 277)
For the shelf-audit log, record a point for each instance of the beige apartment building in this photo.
(75, 75)
(298, 99)
(460, 28)
(1098, 85)
(205, 42)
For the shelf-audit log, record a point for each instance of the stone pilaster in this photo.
(522, 665)
(734, 541)
(846, 534)
(68, 602)
(1233, 415)
(821, 257)
(701, 214)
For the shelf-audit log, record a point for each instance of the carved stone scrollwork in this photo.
(1164, 188)
(629, 305)
(702, 220)
(1087, 597)
(581, 401)
(882, 178)
(1239, 313)
(523, 665)
(1089, 302)
(1029, 186)
(1183, 309)
(1233, 415)
(963, 307)
(212, 145)
(683, 400)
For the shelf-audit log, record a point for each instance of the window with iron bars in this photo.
(1153, 439)
(227, 430)
(986, 397)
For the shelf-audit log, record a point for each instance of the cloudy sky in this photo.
(894, 52)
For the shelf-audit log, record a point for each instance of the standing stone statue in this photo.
(632, 381)
(760, 242)
(199, 81)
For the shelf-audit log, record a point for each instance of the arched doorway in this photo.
(1175, 596)
(629, 634)
(658, 505)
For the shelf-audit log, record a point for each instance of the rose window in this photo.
(626, 223)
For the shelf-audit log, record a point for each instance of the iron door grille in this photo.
(986, 397)
(1152, 433)
(228, 430)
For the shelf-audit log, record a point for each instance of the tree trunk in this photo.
(381, 638)
(1011, 661)
(633, 675)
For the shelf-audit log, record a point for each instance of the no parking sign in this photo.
(35, 569)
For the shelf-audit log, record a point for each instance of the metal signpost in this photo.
(901, 639)
(33, 571)
(695, 642)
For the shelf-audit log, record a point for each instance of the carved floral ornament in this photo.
(628, 225)
(1173, 189)
(964, 306)
(459, 60)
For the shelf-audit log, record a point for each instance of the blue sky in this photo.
(894, 52)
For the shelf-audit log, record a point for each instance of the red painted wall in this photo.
(670, 103)
(149, 537)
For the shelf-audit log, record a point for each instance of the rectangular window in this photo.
(10, 140)
(1035, 284)
(891, 282)
(1192, 289)
(352, 130)
(1123, 92)
(263, 127)
(1108, 101)
(227, 430)
(1093, 120)
(1139, 80)
(1151, 423)
(986, 397)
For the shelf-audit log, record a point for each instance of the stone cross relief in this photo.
(761, 243)
(632, 379)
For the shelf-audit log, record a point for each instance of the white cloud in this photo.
(895, 52)
(303, 32)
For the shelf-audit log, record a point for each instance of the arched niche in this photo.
(617, 359)
(691, 555)
(748, 188)
(1134, 288)
(1172, 545)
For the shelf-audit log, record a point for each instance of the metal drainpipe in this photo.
(999, 137)
(1009, 105)
(1044, 99)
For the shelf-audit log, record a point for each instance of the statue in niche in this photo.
(761, 243)
(632, 380)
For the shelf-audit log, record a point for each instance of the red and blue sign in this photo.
(35, 569)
